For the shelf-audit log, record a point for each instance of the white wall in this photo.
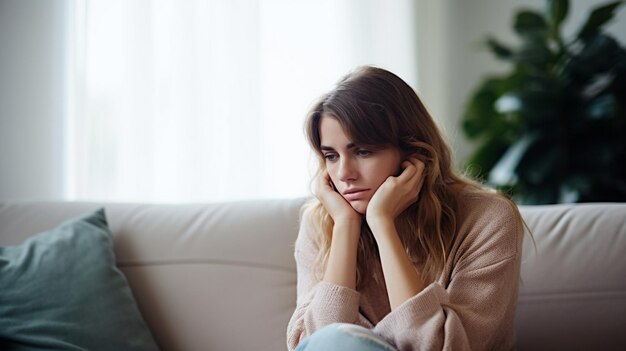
(451, 62)
(31, 99)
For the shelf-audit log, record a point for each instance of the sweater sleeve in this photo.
(475, 311)
(318, 303)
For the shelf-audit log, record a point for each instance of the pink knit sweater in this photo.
(470, 306)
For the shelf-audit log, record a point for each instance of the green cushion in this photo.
(61, 290)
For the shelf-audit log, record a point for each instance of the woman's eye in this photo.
(330, 157)
(363, 152)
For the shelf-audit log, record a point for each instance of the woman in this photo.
(399, 250)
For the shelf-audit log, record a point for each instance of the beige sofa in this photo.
(222, 276)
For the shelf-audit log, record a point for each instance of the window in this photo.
(199, 101)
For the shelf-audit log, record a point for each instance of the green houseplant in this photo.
(553, 129)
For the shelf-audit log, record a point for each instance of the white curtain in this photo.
(199, 101)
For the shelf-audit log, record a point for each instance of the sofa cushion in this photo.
(62, 290)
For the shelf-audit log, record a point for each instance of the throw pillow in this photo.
(61, 290)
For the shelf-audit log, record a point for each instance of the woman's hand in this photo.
(338, 208)
(342, 256)
(396, 194)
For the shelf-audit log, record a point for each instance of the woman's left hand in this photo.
(396, 194)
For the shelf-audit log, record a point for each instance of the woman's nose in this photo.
(347, 170)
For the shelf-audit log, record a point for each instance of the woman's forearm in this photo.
(341, 265)
(401, 278)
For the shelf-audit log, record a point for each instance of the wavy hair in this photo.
(376, 107)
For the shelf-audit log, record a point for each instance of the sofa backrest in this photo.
(573, 292)
(222, 276)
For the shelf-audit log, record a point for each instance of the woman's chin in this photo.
(359, 205)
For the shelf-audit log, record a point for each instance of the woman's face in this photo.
(355, 170)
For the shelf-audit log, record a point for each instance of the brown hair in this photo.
(376, 107)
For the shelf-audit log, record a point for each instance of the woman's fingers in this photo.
(397, 193)
(414, 177)
(336, 206)
(408, 171)
(419, 172)
(323, 182)
(419, 166)
(413, 171)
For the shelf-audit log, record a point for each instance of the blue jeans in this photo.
(344, 337)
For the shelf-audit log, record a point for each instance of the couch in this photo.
(222, 276)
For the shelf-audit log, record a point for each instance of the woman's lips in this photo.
(357, 194)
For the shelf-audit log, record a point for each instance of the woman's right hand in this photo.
(336, 206)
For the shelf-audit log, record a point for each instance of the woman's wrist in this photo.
(381, 224)
(383, 229)
(347, 228)
(342, 257)
(348, 221)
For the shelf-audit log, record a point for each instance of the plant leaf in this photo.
(498, 49)
(486, 156)
(598, 155)
(600, 54)
(539, 195)
(618, 86)
(598, 17)
(602, 107)
(534, 53)
(557, 11)
(530, 23)
(480, 113)
(504, 171)
(543, 162)
(541, 98)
